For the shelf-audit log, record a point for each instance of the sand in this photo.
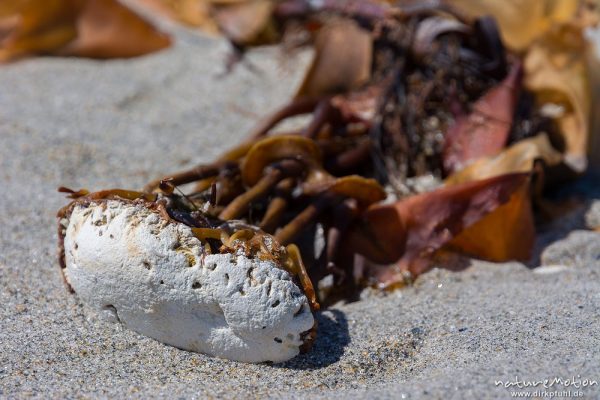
(82, 123)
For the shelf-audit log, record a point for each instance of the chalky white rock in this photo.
(155, 277)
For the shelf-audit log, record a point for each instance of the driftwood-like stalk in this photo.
(276, 173)
(278, 205)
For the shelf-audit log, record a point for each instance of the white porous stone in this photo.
(131, 266)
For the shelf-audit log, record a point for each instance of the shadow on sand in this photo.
(580, 193)
(332, 338)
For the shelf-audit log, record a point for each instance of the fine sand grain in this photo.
(82, 123)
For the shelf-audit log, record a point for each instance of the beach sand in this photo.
(93, 124)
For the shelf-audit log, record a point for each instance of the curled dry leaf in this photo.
(37, 27)
(521, 21)
(342, 60)
(485, 130)
(244, 22)
(507, 233)
(519, 157)
(89, 28)
(556, 72)
(247, 23)
(108, 29)
(409, 232)
(196, 13)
